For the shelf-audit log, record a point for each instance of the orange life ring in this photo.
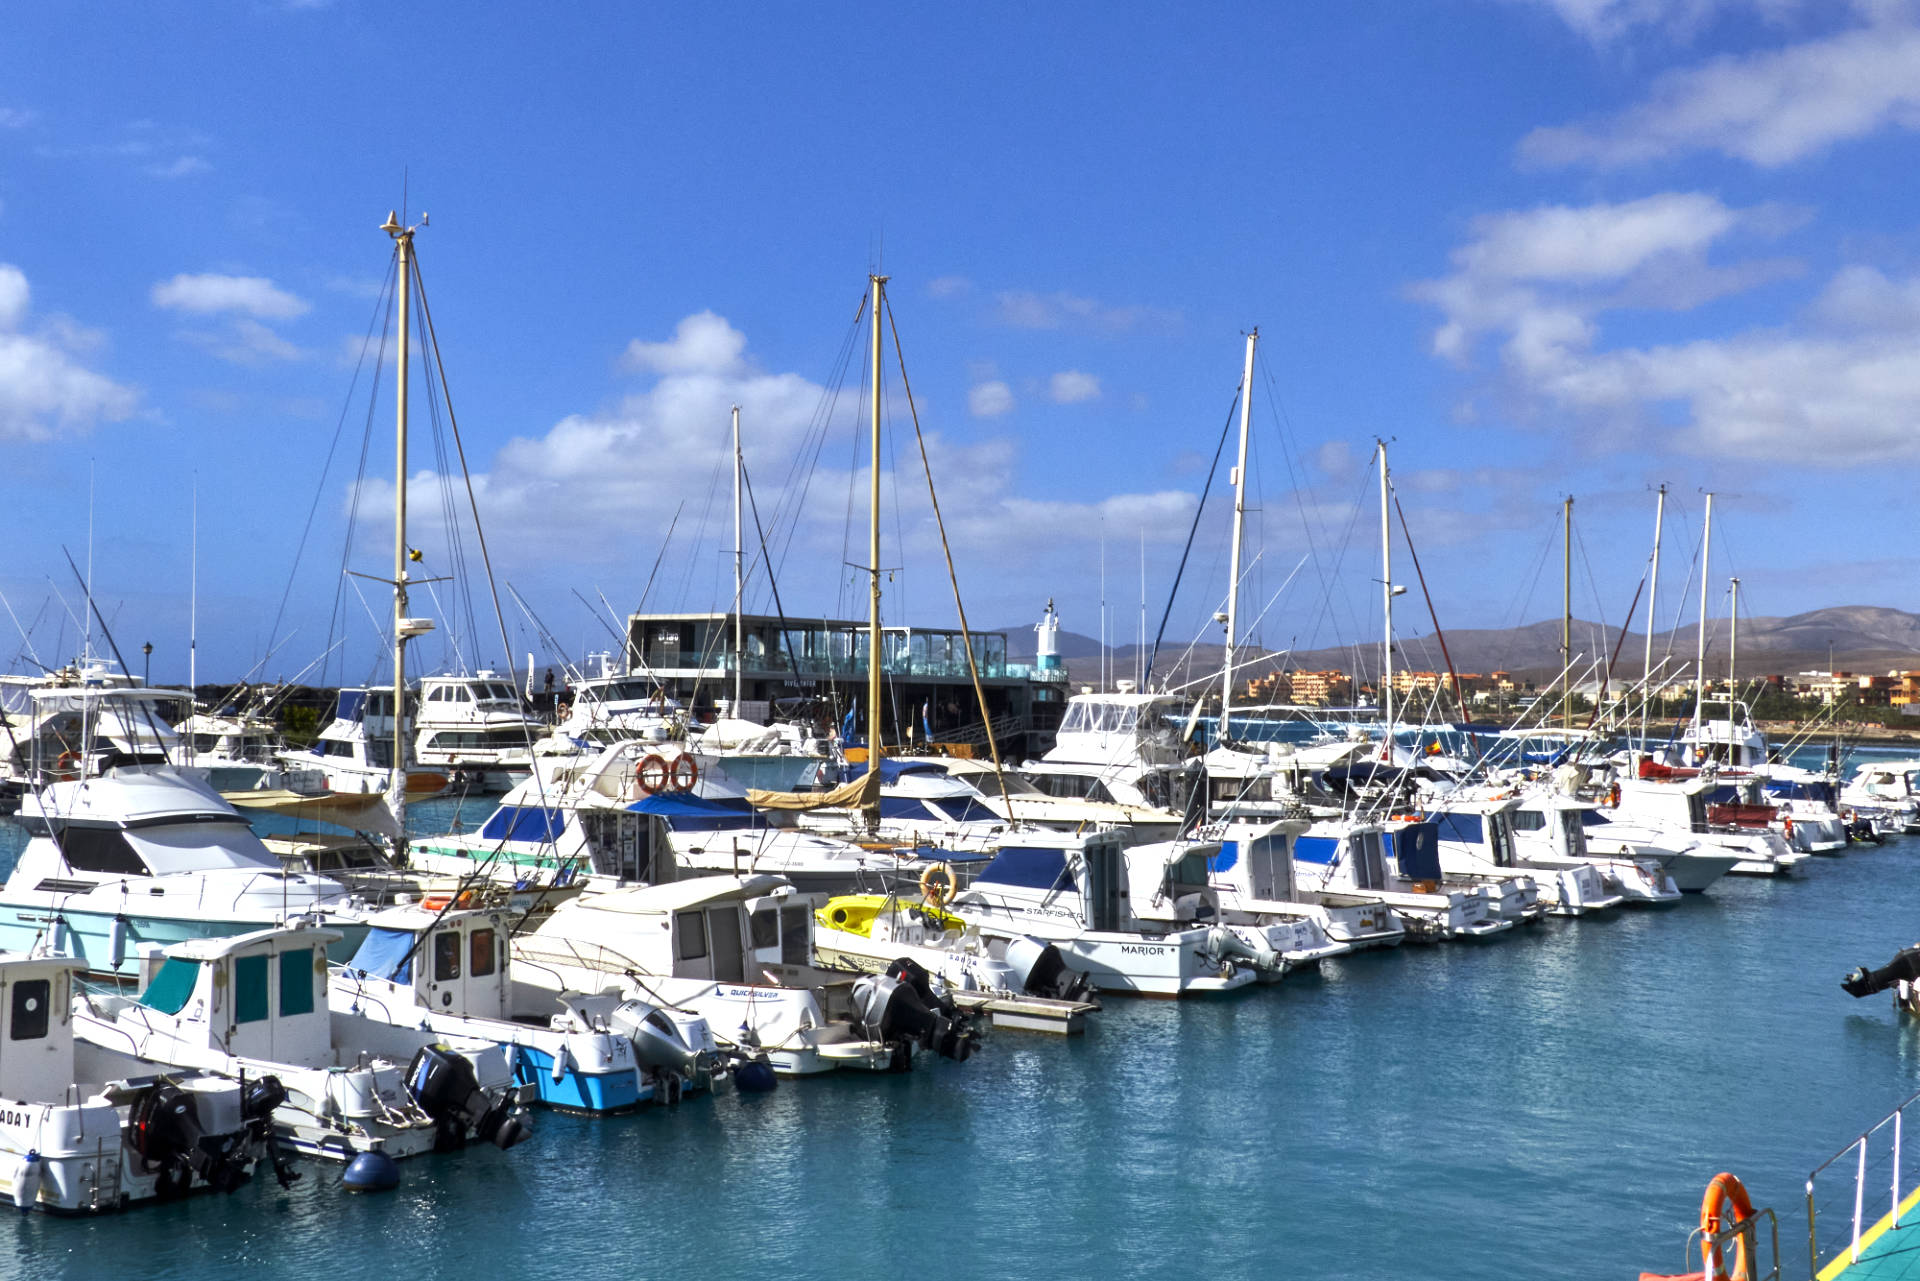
(652, 775)
(683, 781)
(1725, 1191)
(1613, 796)
(936, 885)
(440, 902)
(68, 765)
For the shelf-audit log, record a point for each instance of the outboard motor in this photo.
(1225, 943)
(900, 1006)
(444, 1085)
(659, 1047)
(192, 1131)
(1044, 972)
(259, 1099)
(1903, 968)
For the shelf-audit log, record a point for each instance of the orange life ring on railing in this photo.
(440, 902)
(1724, 1191)
(691, 773)
(652, 775)
(1613, 796)
(936, 885)
(67, 765)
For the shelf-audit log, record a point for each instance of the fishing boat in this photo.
(256, 1005)
(447, 971)
(1551, 829)
(1253, 874)
(241, 752)
(355, 751)
(738, 951)
(1476, 840)
(76, 1140)
(1344, 861)
(1132, 925)
(1019, 983)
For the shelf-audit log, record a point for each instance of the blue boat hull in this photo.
(575, 1091)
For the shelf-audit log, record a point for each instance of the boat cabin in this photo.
(261, 995)
(1085, 878)
(728, 929)
(36, 1043)
(1338, 855)
(1257, 863)
(1127, 729)
(453, 962)
(1483, 830)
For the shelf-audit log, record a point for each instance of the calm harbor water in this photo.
(1551, 1102)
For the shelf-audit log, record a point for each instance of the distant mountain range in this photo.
(1864, 638)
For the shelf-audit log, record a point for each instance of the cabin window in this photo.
(296, 981)
(100, 849)
(446, 956)
(693, 935)
(794, 939)
(1529, 821)
(334, 747)
(249, 989)
(765, 925)
(480, 953)
(172, 987)
(32, 999)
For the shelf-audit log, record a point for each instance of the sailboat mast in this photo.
(739, 573)
(1239, 524)
(1733, 652)
(193, 598)
(879, 285)
(1653, 591)
(1386, 596)
(397, 787)
(1566, 617)
(1700, 657)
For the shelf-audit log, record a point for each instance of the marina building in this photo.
(817, 668)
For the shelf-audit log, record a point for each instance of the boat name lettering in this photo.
(1142, 949)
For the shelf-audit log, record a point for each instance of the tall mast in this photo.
(739, 574)
(879, 286)
(193, 599)
(1700, 657)
(1566, 618)
(1733, 652)
(1140, 654)
(397, 785)
(1239, 523)
(1653, 590)
(1386, 596)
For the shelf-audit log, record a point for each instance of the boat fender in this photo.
(371, 1171)
(560, 1057)
(755, 1076)
(117, 941)
(57, 937)
(26, 1181)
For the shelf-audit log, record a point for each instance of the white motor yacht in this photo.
(354, 753)
(1477, 841)
(475, 729)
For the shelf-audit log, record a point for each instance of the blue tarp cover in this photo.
(172, 986)
(1039, 868)
(1468, 829)
(686, 812)
(1315, 849)
(384, 955)
(1416, 848)
(523, 823)
(891, 768)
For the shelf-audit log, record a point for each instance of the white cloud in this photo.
(989, 400)
(210, 294)
(622, 472)
(1027, 310)
(1602, 21)
(1070, 387)
(1769, 108)
(43, 387)
(179, 167)
(16, 117)
(244, 341)
(703, 343)
(1334, 459)
(1541, 274)
(945, 287)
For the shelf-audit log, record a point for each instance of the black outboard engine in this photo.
(1861, 830)
(165, 1128)
(1903, 968)
(1044, 972)
(444, 1085)
(900, 1007)
(258, 1100)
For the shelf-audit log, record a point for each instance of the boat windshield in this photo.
(1099, 718)
(199, 844)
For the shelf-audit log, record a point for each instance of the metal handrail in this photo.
(1747, 1228)
(1858, 1148)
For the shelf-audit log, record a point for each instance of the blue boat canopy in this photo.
(524, 823)
(385, 954)
(1035, 867)
(892, 767)
(686, 812)
(1416, 848)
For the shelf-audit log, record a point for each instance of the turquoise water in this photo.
(1551, 1102)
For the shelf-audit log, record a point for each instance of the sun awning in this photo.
(360, 812)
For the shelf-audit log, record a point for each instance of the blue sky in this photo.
(1545, 246)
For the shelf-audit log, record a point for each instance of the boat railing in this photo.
(1879, 1159)
(1741, 1239)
